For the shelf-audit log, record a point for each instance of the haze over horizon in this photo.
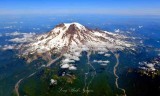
(116, 7)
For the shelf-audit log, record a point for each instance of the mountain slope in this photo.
(74, 38)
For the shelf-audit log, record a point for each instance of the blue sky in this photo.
(118, 7)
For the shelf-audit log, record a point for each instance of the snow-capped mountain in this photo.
(75, 38)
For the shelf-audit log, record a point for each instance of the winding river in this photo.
(115, 74)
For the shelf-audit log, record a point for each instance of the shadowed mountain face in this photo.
(73, 29)
(74, 37)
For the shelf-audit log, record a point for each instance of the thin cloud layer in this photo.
(21, 37)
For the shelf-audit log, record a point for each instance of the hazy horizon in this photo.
(123, 7)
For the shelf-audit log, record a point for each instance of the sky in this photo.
(112, 7)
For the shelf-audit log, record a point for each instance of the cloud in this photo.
(117, 30)
(67, 60)
(147, 66)
(65, 66)
(72, 68)
(77, 54)
(25, 37)
(19, 33)
(107, 55)
(21, 40)
(85, 48)
(68, 66)
(36, 28)
(53, 82)
(133, 29)
(100, 61)
(6, 47)
(70, 58)
(101, 52)
(8, 27)
(10, 47)
(13, 34)
(140, 27)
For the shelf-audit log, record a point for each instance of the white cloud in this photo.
(8, 27)
(36, 28)
(117, 30)
(147, 66)
(6, 47)
(107, 55)
(26, 37)
(100, 61)
(67, 61)
(85, 48)
(77, 54)
(140, 27)
(132, 29)
(101, 52)
(72, 68)
(13, 34)
(65, 66)
(19, 33)
(71, 58)
(53, 81)
(21, 40)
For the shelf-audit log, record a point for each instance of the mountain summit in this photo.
(74, 37)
